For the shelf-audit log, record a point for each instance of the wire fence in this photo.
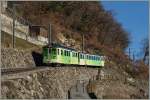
(16, 26)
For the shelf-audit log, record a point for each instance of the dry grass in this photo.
(19, 43)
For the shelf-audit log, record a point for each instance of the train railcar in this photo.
(57, 54)
(60, 55)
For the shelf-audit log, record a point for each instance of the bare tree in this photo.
(146, 51)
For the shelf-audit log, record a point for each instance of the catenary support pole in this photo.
(49, 35)
(13, 29)
(82, 42)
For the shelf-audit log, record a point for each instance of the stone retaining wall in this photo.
(13, 58)
(53, 83)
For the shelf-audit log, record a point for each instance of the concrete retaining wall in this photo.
(21, 31)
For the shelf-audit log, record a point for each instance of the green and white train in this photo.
(57, 54)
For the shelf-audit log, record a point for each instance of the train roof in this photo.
(55, 45)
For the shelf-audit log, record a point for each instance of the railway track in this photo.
(15, 70)
(14, 73)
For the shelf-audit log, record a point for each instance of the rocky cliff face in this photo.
(53, 83)
(13, 58)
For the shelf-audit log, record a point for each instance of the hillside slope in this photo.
(103, 36)
(76, 18)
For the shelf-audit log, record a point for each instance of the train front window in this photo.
(49, 50)
(54, 51)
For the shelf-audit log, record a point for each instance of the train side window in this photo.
(65, 52)
(69, 53)
(49, 50)
(58, 51)
(61, 52)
